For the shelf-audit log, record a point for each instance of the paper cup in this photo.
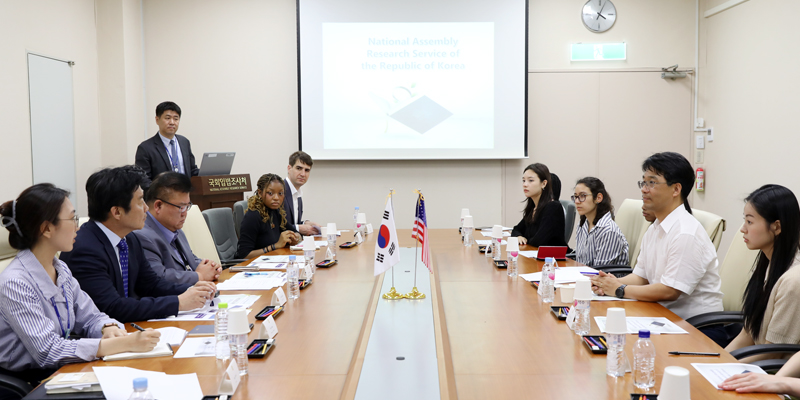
(237, 322)
(583, 289)
(675, 384)
(497, 231)
(308, 244)
(567, 293)
(323, 231)
(468, 222)
(361, 218)
(464, 212)
(615, 322)
(332, 227)
(512, 244)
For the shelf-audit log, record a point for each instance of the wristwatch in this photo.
(620, 292)
(108, 325)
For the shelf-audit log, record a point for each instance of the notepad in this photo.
(716, 373)
(73, 383)
(162, 349)
(172, 335)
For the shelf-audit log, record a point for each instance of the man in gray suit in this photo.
(164, 244)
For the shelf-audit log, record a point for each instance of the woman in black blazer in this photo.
(264, 225)
(543, 220)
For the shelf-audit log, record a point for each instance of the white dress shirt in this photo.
(296, 193)
(114, 239)
(678, 253)
(169, 151)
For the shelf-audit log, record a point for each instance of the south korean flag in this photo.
(387, 252)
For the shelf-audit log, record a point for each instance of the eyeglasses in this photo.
(649, 184)
(579, 198)
(182, 208)
(74, 219)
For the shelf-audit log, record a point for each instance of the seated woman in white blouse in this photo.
(42, 307)
(599, 239)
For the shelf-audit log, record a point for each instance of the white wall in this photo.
(749, 92)
(58, 29)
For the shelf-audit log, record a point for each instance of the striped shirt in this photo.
(604, 245)
(31, 330)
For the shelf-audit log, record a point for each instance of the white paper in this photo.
(197, 347)
(563, 274)
(117, 383)
(230, 380)
(489, 241)
(208, 312)
(489, 233)
(172, 335)
(72, 377)
(529, 253)
(650, 323)
(505, 228)
(242, 281)
(270, 327)
(717, 373)
(278, 297)
(279, 259)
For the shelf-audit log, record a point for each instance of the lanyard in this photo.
(170, 156)
(58, 315)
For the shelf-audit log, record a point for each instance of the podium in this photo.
(214, 191)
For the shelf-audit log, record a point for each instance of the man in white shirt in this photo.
(677, 266)
(297, 174)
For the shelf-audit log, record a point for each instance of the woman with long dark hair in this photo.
(46, 320)
(599, 239)
(264, 225)
(772, 297)
(543, 220)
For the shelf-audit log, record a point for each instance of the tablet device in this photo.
(557, 252)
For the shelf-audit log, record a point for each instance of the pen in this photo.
(682, 353)
(264, 349)
(603, 341)
(590, 273)
(137, 326)
(593, 347)
(593, 340)
(255, 273)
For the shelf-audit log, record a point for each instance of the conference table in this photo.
(494, 336)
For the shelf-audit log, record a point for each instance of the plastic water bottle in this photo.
(644, 358)
(223, 346)
(330, 253)
(467, 232)
(546, 284)
(512, 264)
(355, 220)
(140, 391)
(488, 251)
(241, 353)
(616, 360)
(308, 255)
(293, 278)
(496, 253)
(583, 322)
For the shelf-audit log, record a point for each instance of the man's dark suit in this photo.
(152, 157)
(94, 264)
(289, 207)
(163, 260)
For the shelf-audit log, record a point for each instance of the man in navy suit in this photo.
(166, 151)
(297, 174)
(164, 243)
(108, 261)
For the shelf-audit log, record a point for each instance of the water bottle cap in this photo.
(292, 258)
(222, 305)
(644, 334)
(549, 260)
(357, 208)
(139, 383)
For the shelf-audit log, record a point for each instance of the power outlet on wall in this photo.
(699, 156)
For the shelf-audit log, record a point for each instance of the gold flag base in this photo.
(392, 295)
(414, 294)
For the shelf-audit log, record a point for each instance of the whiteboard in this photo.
(52, 123)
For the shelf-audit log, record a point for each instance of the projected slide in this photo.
(423, 85)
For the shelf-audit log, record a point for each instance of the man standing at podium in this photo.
(297, 174)
(166, 151)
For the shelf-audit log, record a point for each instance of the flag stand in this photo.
(392, 294)
(415, 294)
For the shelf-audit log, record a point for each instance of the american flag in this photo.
(420, 232)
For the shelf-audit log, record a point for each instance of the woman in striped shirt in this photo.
(42, 307)
(599, 239)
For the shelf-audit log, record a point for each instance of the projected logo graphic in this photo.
(384, 237)
(418, 112)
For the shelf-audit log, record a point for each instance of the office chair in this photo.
(569, 218)
(220, 223)
(7, 253)
(712, 223)
(199, 236)
(239, 208)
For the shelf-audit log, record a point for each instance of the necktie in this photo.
(174, 157)
(177, 247)
(300, 210)
(123, 263)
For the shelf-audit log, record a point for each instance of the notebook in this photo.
(162, 349)
(73, 383)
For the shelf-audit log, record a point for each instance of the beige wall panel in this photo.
(59, 29)
(750, 93)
